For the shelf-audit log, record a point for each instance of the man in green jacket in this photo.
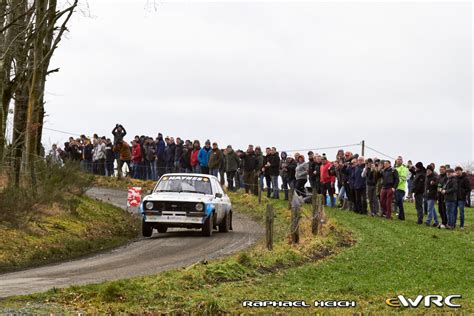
(232, 163)
(402, 187)
(215, 160)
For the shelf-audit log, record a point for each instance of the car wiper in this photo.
(165, 191)
(191, 191)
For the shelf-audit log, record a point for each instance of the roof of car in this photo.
(189, 175)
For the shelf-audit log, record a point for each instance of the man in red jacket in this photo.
(136, 159)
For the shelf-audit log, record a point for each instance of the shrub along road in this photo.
(177, 248)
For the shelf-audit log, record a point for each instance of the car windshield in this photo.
(184, 184)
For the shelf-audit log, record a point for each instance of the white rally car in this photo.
(189, 201)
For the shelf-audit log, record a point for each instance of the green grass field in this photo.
(388, 258)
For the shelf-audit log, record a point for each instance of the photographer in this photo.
(119, 133)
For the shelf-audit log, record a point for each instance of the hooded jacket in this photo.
(431, 186)
(451, 189)
(203, 156)
(232, 161)
(418, 185)
(215, 159)
(250, 161)
(464, 187)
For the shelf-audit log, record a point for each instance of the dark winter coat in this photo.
(274, 160)
(451, 189)
(431, 189)
(390, 178)
(418, 184)
(250, 161)
(232, 161)
(464, 187)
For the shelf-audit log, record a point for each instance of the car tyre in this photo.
(224, 227)
(161, 229)
(207, 226)
(147, 229)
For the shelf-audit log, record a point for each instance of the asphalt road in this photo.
(176, 248)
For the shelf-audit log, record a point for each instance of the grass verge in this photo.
(389, 258)
(75, 227)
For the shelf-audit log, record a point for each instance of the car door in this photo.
(218, 201)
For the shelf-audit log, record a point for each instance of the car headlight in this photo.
(149, 205)
(199, 207)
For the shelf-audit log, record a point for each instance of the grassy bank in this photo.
(389, 258)
(195, 289)
(75, 227)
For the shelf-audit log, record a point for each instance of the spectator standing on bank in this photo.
(231, 164)
(360, 187)
(136, 159)
(431, 191)
(418, 189)
(119, 133)
(249, 159)
(301, 175)
(442, 178)
(203, 157)
(463, 188)
(370, 174)
(109, 157)
(274, 171)
(160, 156)
(450, 192)
(402, 187)
(215, 160)
(389, 184)
(125, 155)
(98, 157)
(195, 166)
(265, 175)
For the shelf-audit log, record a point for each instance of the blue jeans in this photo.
(399, 195)
(459, 205)
(214, 171)
(197, 169)
(342, 193)
(276, 192)
(432, 213)
(450, 209)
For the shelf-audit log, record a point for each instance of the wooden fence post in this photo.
(314, 215)
(290, 197)
(320, 216)
(295, 229)
(269, 227)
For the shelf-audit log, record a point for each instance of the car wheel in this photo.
(207, 226)
(161, 229)
(147, 229)
(224, 227)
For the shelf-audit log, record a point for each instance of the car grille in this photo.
(174, 206)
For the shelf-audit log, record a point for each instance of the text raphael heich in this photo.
(298, 304)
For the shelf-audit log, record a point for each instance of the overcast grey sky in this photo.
(290, 75)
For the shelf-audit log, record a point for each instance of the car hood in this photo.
(180, 197)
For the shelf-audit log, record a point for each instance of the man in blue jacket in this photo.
(203, 157)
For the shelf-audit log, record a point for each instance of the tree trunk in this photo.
(36, 91)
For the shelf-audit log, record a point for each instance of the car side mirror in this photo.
(218, 195)
(148, 192)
